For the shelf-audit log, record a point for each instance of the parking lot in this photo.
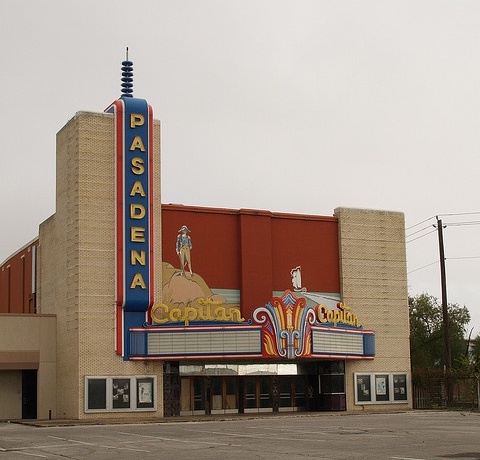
(416, 435)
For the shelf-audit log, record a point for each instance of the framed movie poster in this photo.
(382, 391)
(121, 393)
(145, 393)
(364, 393)
(399, 387)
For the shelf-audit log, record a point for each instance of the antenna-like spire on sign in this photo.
(127, 77)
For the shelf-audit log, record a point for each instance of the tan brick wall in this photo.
(27, 341)
(373, 279)
(11, 395)
(77, 262)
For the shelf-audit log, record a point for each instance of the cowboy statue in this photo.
(183, 246)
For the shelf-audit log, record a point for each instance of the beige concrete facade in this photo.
(76, 256)
(373, 279)
(27, 342)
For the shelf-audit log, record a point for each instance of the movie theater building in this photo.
(124, 307)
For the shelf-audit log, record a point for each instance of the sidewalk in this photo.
(176, 419)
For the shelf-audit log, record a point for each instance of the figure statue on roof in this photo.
(183, 247)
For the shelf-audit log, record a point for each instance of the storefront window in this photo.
(97, 394)
(364, 393)
(399, 387)
(145, 393)
(330, 384)
(119, 393)
(380, 388)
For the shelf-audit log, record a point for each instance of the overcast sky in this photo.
(292, 106)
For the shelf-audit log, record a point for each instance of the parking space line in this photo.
(159, 438)
(406, 458)
(266, 436)
(32, 455)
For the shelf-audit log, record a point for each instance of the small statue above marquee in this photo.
(296, 274)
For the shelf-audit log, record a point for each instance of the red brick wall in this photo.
(16, 293)
(254, 251)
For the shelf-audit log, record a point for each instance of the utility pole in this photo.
(446, 328)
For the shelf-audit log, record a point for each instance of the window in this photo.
(331, 384)
(362, 389)
(331, 376)
(380, 388)
(110, 394)
(97, 394)
(399, 387)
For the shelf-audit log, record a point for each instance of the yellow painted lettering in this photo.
(137, 211)
(236, 316)
(137, 281)
(219, 314)
(176, 315)
(137, 234)
(137, 257)
(137, 189)
(341, 316)
(137, 166)
(137, 143)
(159, 313)
(190, 315)
(136, 119)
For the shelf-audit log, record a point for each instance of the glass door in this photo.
(286, 403)
(231, 398)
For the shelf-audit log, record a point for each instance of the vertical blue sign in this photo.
(134, 214)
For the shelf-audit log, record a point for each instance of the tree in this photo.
(426, 333)
(472, 360)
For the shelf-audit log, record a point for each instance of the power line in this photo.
(436, 262)
(464, 257)
(421, 236)
(460, 224)
(420, 223)
(446, 224)
(424, 266)
(446, 214)
(461, 214)
(418, 231)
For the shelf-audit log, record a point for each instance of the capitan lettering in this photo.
(343, 315)
(163, 314)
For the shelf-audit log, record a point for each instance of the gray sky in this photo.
(293, 106)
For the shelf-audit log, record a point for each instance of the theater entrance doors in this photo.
(225, 389)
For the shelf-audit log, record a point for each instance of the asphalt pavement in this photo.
(410, 435)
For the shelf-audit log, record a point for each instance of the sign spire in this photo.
(127, 77)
